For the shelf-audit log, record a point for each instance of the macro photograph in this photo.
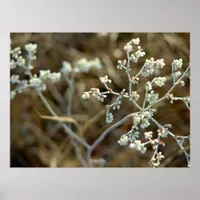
(100, 100)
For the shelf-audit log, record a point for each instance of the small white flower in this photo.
(148, 86)
(16, 52)
(138, 146)
(177, 74)
(97, 94)
(109, 117)
(35, 81)
(55, 77)
(12, 94)
(86, 95)
(13, 64)
(159, 156)
(128, 47)
(148, 135)
(177, 64)
(148, 67)
(135, 95)
(123, 140)
(14, 79)
(139, 53)
(20, 61)
(152, 97)
(105, 79)
(44, 74)
(163, 132)
(145, 123)
(31, 47)
(160, 63)
(83, 65)
(23, 84)
(160, 81)
(66, 68)
(182, 83)
(136, 119)
(120, 65)
(117, 105)
(96, 64)
(136, 41)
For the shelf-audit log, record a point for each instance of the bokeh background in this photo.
(36, 142)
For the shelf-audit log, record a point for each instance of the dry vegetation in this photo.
(37, 142)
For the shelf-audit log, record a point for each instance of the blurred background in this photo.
(36, 142)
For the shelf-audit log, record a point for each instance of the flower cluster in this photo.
(137, 145)
(105, 80)
(159, 81)
(109, 117)
(152, 97)
(123, 140)
(156, 161)
(143, 118)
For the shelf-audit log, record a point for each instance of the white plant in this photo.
(145, 115)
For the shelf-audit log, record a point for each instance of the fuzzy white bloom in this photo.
(160, 63)
(163, 132)
(15, 52)
(123, 140)
(55, 77)
(13, 64)
(148, 135)
(37, 83)
(44, 74)
(31, 47)
(20, 61)
(159, 156)
(138, 146)
(146, 114)
(105, 79)
(135, 95)
(145, 123)
(23, 84)
(136, 119)
(182, 83)
(152, 97)
(12, 94)
(148, 86)
(83, 65)
(96, 64)
(160, 81)
(117, 105)
(139, 53)
(177, 64)
(109, 117)
(86, 95)
(148, 67)
(177, 74)
(128, 47)
(97, 94)
(66, 68)
(136, 41)
(14, 79)
(121, 64)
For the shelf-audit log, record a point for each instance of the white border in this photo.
(97, 16)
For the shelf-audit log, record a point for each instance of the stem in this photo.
(105, 133)
(70, 92)
(69, 131)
